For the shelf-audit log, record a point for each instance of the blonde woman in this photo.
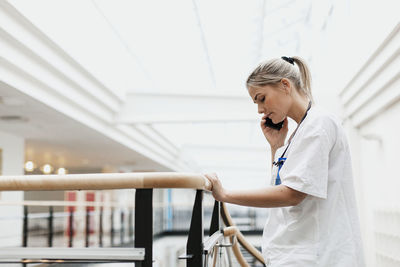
(312, 209)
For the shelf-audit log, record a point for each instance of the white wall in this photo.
(356, 77)
(12, 164)
(380, 175)
(371, 108)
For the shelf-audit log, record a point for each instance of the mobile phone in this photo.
(270, 124)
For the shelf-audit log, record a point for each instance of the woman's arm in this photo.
(268, 197)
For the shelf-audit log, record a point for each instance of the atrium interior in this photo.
(113, 88)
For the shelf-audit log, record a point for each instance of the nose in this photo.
(260, 109)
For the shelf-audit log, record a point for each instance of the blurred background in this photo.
(141, 86)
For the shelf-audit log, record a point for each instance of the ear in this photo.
(286, 85)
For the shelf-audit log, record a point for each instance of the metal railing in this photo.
(198, 248)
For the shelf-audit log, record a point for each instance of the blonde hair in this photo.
(272, 71)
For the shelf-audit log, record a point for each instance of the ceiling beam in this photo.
(158, 108)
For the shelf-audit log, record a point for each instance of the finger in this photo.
(210, 177)
(214, 175)
(268, 130)
(262, 123)
(207, 176)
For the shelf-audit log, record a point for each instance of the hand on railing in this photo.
(217, 189)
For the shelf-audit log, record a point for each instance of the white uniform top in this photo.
(323, 230)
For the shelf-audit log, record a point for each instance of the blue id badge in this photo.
(280, 164)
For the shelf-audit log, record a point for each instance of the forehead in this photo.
(255, 90)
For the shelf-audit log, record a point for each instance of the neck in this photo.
(298, 109)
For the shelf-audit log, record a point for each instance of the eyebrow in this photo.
(255, 98)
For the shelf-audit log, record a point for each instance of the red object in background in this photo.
(90, 196)
(70, 196)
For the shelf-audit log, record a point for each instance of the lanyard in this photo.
(281, 159)
(280, 164)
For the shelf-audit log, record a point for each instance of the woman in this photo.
(312, 217)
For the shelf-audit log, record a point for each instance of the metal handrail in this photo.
(101, 181)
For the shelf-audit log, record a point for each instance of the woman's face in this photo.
(273, 100)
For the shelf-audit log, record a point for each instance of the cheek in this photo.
(274, 103)
(285, 104)
(281, 106)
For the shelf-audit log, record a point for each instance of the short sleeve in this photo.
(307, 163)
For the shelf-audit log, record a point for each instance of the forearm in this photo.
(269, 197)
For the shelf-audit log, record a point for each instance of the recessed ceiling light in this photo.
(61, 171)
(47, 168)
(29, 166)
(13, 118)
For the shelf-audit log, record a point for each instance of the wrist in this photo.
(225, 196)
(275, 147)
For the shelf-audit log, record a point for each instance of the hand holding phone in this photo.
(275, 133)
(270, 124)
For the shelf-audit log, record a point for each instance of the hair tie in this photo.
(288, 59)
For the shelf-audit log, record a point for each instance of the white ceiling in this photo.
(178, 47)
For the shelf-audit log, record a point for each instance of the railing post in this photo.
(214, 225)
(101, 227)
(112, 227)
(71, 227)
(50, 225)
(25, 228)
(87, 226)
(194, 246)
(122, 232)
(144, 224)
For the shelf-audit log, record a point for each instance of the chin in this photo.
(278, 121)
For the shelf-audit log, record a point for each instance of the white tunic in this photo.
(323, 230)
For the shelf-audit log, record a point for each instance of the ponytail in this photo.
(305, 76)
